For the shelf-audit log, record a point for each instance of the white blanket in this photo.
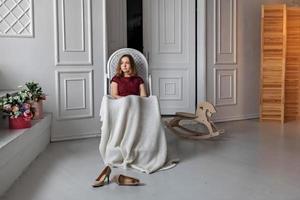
(132, 133)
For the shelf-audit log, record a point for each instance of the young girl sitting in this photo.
(126, 81)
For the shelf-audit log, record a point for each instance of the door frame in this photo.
(201, 51)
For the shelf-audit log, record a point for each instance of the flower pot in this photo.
(19, 122)
(38, 112)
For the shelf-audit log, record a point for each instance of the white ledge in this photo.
(19, 147)
(8, 135)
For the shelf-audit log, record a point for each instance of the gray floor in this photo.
(251, 161)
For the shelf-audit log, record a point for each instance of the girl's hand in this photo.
(143, 90)
(114, 90)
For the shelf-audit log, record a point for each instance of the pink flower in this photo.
(27, 114)
(15, 108)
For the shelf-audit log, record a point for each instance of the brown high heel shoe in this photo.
(125, 180)
(103, 178)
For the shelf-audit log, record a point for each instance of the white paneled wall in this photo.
(233, 58)
(225, 48)
(76, 71)
(66, 56)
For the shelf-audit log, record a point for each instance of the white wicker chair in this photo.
(141, 65)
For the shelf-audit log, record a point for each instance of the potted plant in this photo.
(17, 108)
(36, 95)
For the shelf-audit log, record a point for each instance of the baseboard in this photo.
(75, 137)
(92, 135)
(238, 117)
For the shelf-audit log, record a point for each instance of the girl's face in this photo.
(125, 66)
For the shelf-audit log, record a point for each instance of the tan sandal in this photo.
(103, 178)
(125, 180)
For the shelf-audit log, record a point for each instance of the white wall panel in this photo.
(225, 31)
(73, 41)
(16, 18)
(225, 86)
(170, 88)
(74, 94)
(169, 85)
(73, 33)
(170, 34)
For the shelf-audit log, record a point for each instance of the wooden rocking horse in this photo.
(203, 114)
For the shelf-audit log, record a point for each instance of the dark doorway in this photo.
(135, 24)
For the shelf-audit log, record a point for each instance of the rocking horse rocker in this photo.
(203, 114)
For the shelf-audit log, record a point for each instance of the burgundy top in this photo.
(128, 85)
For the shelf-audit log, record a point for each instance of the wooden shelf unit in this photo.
(280, 63)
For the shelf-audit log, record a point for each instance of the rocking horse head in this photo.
(207, 108)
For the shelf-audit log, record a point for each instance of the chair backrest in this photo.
(141, 65)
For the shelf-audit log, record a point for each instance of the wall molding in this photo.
(60, 46)
(16, 20)
(177, 93)
(174, 46)
(231, 99)
(84, 135)
(64, 48)
(230, 56)
(86, 111)
(83, 107)
(237, 117)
